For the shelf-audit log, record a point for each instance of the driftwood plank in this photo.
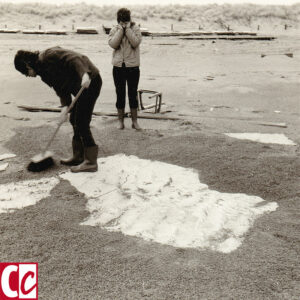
(86, 30)
(9, 30)
(104, 114)
(283, 125)
(230, 38)
(141, 116)
(39, 108)
(29, 31)
(202, 33)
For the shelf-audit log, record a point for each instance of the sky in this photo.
(161, 2)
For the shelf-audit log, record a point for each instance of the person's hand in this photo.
(120, 26)
(85, 82)
(63, 114)
(125, 24)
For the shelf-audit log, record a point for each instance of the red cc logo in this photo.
(18, 281)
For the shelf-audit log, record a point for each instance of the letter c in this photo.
(23, 281)
(5, 281)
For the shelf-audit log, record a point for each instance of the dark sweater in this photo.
(63, 69)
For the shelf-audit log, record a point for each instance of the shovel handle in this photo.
(61, 122)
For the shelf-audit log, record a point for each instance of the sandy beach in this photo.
(213, 88)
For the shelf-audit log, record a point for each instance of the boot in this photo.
(121, 118)
(77, 157)
(90, 161)
(135, 124)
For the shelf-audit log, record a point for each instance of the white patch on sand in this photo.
(7, 155)
(3, 167)
(266, 138)
(165, 203)
(25, 193)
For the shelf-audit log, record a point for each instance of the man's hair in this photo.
(123, 15)
(25, 58)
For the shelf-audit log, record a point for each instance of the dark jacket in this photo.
(63, 69)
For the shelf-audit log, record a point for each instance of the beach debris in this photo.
(106, 29)
(5, 30)
(152, 106)
(213, 107)
(102, 114)
(7, 156)
(221, 106)
(277, 111)
(230, 38)
(22, 119)
(286, 54)
(56, 32)
(86, 30)
(204, 34)
(39, 108)
(141, 116)
(30, 31)
(154, 94)
(3, 167)
(282, 125)
(209, 78)
(265, 138)
(166, 203)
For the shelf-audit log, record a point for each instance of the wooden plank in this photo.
(39, 108)
(9, 30)
(29, 31)
(140, 116)
(231, 38)
(56, 32)
(106, 29)
(86, 30)
(145, 32)
(156, 117)
(202, 33)
(154, 95)
(104, 114)
(151, 106)
(282, 125)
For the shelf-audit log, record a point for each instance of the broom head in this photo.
(41, 162)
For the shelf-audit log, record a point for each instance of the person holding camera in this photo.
(125, 39)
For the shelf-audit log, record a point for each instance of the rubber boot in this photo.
(135, 124)
(121, 118)
(78, 153)
(90, 161)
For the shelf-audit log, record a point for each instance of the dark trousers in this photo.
(81, 114)
(131, 76)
